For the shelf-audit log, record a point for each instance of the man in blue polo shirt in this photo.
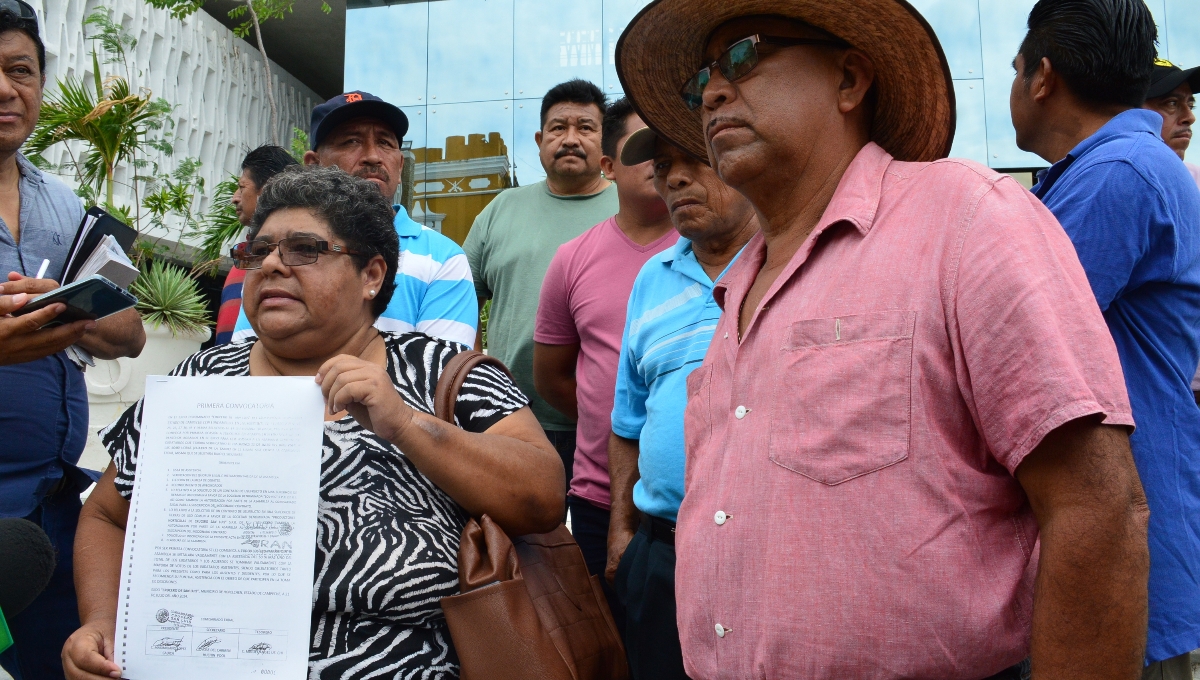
(435, 292)
(670, 323)
(1133, 213)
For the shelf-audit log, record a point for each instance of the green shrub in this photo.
(168, 295)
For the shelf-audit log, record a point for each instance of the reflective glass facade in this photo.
(470, 74)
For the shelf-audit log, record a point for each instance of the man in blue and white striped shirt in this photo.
(435, 292)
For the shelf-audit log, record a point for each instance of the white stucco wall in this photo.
(214, 79)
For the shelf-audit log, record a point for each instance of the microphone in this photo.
(28, 563)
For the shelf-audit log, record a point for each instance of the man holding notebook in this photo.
(44, 415)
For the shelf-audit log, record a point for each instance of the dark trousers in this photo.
(1175, 668)
(589, 526)
(564, 443)
(645, 584)
(1019, 672)
(40, 631)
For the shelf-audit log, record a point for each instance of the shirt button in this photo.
(720, 517)
(740, 412)
(720, 630)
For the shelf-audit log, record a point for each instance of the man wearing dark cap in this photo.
(1173, 96)
(1133, 216)
(668, 327)
(435, 294)
(907, 447)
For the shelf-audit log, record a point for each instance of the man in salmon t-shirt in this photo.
(580, 319)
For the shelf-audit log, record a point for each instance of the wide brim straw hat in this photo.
(914, 116)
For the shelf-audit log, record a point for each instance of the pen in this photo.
(42, 269)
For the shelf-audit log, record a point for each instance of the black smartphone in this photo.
(94, 297)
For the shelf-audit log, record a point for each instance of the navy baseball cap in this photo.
(356, 104)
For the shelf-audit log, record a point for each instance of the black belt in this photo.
(1018, 672)
(659, 529)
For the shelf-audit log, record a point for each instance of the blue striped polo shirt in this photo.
(669, 324)
(435, 292)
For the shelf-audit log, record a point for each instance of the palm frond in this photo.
(219, 226)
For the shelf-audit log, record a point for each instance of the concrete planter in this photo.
(115, 385)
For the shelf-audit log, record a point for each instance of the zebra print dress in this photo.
(387, 537)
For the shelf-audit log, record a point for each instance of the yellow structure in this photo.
(451, 188)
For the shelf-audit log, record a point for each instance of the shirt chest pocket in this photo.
(844, 400)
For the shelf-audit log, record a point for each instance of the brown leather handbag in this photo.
(529, 610)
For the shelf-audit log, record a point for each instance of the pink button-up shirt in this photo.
(850, 508)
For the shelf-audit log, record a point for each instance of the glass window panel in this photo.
(1159, 10)
(1005, 20)
(415, 139)
(526, 123)
(617, 15)
(555, 41)
(1182, 35)
(970, 133)
(417, 124)
(957, 26)
(386, 49)
(470, 51)
(466, 162)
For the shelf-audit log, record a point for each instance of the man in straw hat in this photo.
(1133, 214)
(911, 384)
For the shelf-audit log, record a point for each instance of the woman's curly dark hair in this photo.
(355, 210)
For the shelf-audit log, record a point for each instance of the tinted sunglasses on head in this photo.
(293, 252)
(740, 59)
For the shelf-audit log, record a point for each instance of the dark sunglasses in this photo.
(294, 251)
(737, 61)
(21, 10)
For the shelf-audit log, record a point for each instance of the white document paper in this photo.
(220, 546)
(109, 261)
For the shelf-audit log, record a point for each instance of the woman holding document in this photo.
(396, 483)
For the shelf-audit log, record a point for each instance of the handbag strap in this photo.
(453, 376)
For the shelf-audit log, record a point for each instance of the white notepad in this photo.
(109, 261)
(217, 573)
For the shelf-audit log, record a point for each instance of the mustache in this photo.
(731, 120)
(373, 172)
(570, 151)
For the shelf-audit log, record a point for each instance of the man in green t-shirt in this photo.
(515, 237)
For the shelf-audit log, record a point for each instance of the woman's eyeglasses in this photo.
(294, 251)
(737, 61)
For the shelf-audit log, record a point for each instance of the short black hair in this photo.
(265, 162)
(616, 119)
(577, 91)
(13, 22)
(354, 209)
(1103, 49)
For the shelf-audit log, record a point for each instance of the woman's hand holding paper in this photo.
(365, 390)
